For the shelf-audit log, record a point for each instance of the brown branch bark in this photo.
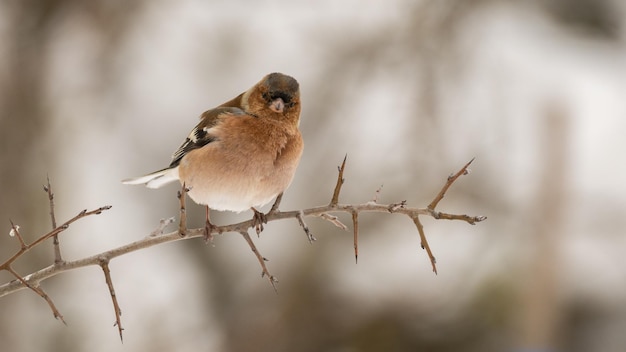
(260, 258)
(104, 264)
(355, 234)
(33, 280)
(26, 281)
(335, 199)
(55, 239)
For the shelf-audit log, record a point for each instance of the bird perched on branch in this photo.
(243, 153)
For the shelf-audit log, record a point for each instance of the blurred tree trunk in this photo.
(23, 123)
(541, 321)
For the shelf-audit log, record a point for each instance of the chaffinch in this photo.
(243, 153)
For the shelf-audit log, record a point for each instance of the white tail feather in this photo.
(156, 179)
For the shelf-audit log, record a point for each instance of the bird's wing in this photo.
(201, 134)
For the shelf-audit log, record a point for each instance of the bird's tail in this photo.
(155, 179)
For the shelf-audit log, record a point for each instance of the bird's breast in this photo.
(245, 167)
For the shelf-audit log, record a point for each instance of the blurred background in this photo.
(94, 92)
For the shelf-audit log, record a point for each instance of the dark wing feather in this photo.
(201, 134)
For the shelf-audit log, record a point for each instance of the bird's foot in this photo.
(258, 219)
(209, 228)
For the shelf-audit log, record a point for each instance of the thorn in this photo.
(377, 194)
(60, 317)
(340, 180)
(355, 226)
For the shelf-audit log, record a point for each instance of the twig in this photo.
(261, 259)
(104, 264)
(27, 281)
(424, 242)
(15, 231)
(55, 231)
(355, 227)
(333, 220)
(163, 223)
(306, 229)
(449, 182)
(472, 220)
(55, 239)
(340, 180)
(40, 292)
(182, 226)
(96, 259)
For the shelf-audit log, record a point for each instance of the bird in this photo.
(242, 154)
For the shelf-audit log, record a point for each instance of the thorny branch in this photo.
(28, 281)
(261, 259)
(33, 280)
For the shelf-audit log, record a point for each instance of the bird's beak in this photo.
(277, 105)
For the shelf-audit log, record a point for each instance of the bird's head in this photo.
(276, 96)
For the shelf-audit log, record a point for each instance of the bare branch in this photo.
(53, 270)
(163, 223)
(104, 264)
(449, 182)
(27, 281)
(261, 259)
(55, 231)
(150, 241)
(340, 181)
(333, 220)
(182, 226)
(355, 227)
(424, 243)
(32, 281)
(15, 231)
(40, 292)
(55, 239)
(472, 220)
(307, 232)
